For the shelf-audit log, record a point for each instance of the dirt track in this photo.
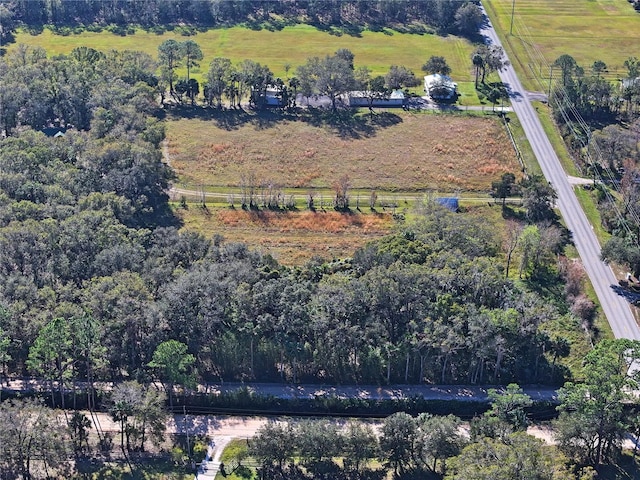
(246, 427)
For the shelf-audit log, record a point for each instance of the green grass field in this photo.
(588, 30)
(291, 45)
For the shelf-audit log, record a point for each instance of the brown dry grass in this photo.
(410, 152)
(292, 237)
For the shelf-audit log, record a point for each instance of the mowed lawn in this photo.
(588, 30)
(411, 152)
(291, 45)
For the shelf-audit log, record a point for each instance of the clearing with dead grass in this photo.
(397, 151)
(292, 238)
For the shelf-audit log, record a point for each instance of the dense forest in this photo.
(159, 14)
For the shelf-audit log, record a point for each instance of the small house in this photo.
(440, 87)
(629, 82)
(55, 132)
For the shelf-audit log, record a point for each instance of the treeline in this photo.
(439, 14)
(595, 416)
(407, 447)
(585, 92)
(588, 434)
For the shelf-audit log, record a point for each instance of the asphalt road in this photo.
(614, 305)
(309, 391)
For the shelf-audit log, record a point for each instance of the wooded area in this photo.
(162, 14)
(601, 126)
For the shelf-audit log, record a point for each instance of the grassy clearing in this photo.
(528, 157)
(237, 448)
(588, 202)
(592, 30)
(291, 45)
(391, 151)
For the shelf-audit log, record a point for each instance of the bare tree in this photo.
(248, 190)
(513, 231)
(341, 188)
(311, 200)
(31, 436)
(373, 198)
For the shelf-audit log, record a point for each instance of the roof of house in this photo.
(395, 95)
(629, 82)
(440, 80)
(54, 131)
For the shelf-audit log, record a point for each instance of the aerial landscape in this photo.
(320, 239)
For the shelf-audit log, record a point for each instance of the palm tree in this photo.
(478, 64)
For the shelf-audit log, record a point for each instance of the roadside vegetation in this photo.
(593, 102)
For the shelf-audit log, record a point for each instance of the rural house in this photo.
(440, 87)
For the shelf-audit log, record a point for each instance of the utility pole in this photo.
(513, 9)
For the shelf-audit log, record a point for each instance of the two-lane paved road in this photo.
(615, 307)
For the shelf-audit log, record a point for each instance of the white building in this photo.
(440, 87)
(629, 82)
(360, 98)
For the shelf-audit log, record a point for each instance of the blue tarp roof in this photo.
(448, 202)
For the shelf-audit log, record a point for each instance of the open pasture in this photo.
(397, 151)
(292, 45)
(588, 30)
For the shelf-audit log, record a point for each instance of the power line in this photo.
(579, 128)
